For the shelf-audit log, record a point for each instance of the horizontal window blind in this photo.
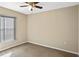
(7, 28)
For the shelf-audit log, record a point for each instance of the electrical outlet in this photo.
(65, 43)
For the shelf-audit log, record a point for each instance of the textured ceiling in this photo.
(46, 6)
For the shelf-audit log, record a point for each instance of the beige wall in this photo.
(21, 22)
(57, 28)
(78, 29)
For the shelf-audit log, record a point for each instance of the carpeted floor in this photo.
(32, 50)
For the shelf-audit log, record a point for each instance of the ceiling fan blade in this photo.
(24, 6)
(32, 2)
(27, 2)
(35, 2)
(39, 7)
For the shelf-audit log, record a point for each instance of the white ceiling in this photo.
(46, 6)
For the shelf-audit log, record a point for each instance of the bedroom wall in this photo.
(78, 29)
(21, 23)
(56, 29)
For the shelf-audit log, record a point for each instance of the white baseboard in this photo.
(13, 46)
(54, 48)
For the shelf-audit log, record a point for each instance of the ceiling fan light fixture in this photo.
(29, 7)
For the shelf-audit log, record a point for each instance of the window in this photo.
(7, 28)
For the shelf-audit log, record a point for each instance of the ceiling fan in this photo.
(32, 5)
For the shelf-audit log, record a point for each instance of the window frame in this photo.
(14, 19)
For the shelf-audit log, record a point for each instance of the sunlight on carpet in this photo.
(7, 55)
